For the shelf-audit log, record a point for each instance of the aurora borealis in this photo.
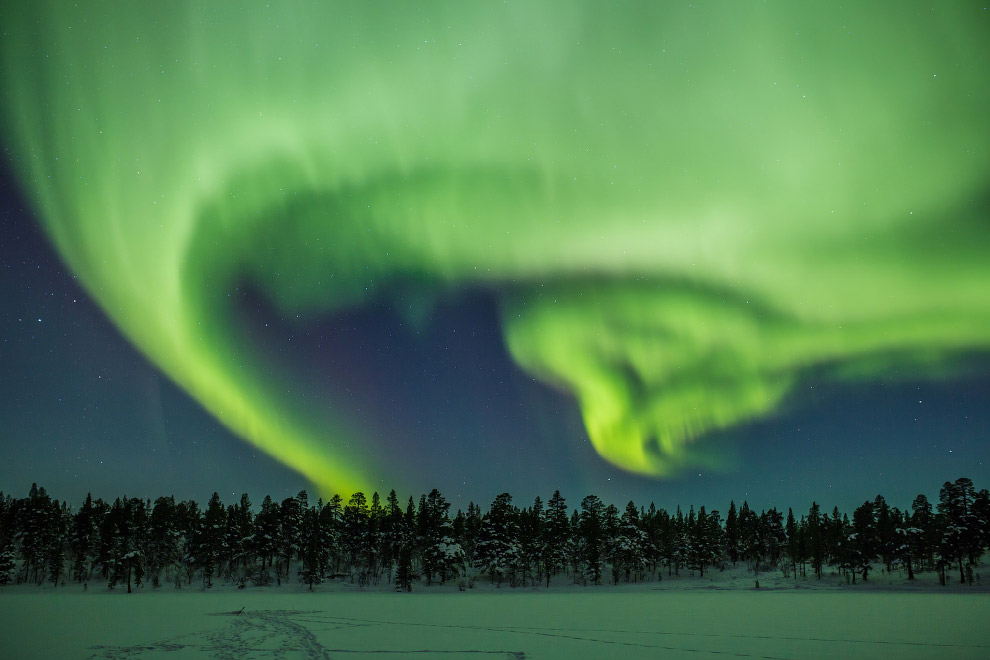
(681, 213)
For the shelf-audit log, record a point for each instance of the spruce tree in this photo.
(630, 559)
(441, 554)
(497, 551)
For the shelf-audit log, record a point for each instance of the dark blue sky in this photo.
(441, 405)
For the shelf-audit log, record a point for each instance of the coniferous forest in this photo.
(133, 543)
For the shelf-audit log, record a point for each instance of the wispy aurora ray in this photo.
(682, 210)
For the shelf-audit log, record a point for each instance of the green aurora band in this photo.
(681, 210)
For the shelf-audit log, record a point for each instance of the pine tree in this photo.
(213, 539)
(906, 543)
(592, 534)
(774, 537)
(375, 550)
(163, 551)
(355, 536)
(793, 546)
(835, 535)
(610, 537)
(732, 533)
(102, 552)
(961, 537)
(703, 540)
(575, 545)
(55, 541)
(7, 564)
(8, 517)
(837, 531)
(677, 542)
(8, 529)
(189, 523)
(530, 532)
(404, 575)
(34, 519)
(886, 534)
(115, 531)
(81, 539)
(555, 534)
(715, 539)
(266, 538)
(332, 528)
(314, 556)
(239, 537)
(652, 544)
(392, 533)
(404, 568)
(816, 538)
(127, 524)
(923, 518)
(472, 530)
(981, 509)
(289, 522)
(862, 541)
(330, 531)
(802, 541)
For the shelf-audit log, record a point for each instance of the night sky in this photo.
(670, 255)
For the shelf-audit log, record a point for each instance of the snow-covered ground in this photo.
(686, 618)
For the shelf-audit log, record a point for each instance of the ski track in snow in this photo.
(289, 635)
(269, 634)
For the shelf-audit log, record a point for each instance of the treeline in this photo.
(133, 542)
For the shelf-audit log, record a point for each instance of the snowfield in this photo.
(639, 621)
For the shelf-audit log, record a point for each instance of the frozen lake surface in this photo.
(496, 624)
